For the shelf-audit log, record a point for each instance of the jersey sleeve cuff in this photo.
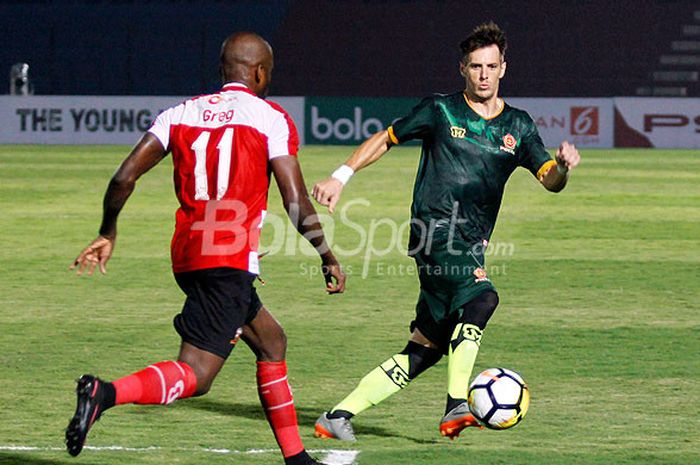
(392, 137)
(161, 135)
(546, 166)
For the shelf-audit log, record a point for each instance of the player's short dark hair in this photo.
(482, 36)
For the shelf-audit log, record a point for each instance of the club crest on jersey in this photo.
(480, 275)
(509, 144)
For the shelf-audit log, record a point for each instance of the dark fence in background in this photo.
(363, 48)
(127, 47)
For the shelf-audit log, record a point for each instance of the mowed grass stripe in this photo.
(599, 311)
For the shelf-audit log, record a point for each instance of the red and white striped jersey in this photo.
(221, 146)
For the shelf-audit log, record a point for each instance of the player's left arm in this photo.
(557, 175)
(303, 215)
(144, 156)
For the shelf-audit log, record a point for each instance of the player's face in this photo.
(483, 70)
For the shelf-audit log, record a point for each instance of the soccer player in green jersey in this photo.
(471, 143)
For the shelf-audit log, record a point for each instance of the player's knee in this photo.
(203, 387)
(204, 381)
(420, 358)
(478, 311)
(274, 347)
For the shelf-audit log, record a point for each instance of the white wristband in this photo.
(343, 174)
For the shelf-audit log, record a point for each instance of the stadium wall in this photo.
(398, 48)
(588, 122)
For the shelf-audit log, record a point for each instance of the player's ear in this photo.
(503, 69)
(462, 68)
(259, 74)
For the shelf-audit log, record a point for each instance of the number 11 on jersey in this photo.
(201, 182)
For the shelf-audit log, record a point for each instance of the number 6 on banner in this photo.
(201, 182)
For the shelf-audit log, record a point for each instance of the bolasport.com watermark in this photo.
(229, 228)
(380, 268)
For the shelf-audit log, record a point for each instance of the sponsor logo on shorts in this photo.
(480, 275)
(235, 339)
(509, 144)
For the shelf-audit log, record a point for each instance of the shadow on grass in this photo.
(28, 458)
(306, 416)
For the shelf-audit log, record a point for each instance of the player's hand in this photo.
(94, 255)
(567, 156)
(334, 276)
(327, 192)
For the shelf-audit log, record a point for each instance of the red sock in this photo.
(160, 383)
(276, 399)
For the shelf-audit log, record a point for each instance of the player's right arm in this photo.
(416, 125)
(144, 156)
(327, 192)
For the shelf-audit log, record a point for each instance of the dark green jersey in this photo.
(464, 165)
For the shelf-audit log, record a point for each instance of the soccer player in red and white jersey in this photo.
(224, 147)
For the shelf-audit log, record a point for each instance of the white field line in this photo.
(328, 456)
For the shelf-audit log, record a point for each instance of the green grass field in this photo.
(600, 311)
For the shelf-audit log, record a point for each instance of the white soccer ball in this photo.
(498, 398)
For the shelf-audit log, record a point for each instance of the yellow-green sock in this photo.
(464, 346)
(388, 378)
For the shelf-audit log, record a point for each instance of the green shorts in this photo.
(449, 278)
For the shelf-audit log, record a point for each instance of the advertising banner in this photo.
(599, 122)
(93, 119)
(349, 121)
(657, 122)
(587, 122)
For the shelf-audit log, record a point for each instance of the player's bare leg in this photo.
(267, 340)
(265, 337)
(205, 365)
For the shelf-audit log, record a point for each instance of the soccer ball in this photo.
(498, 398)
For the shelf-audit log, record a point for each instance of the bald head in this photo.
(247, 58)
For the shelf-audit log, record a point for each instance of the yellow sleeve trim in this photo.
(392, 136)
(546, 166)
